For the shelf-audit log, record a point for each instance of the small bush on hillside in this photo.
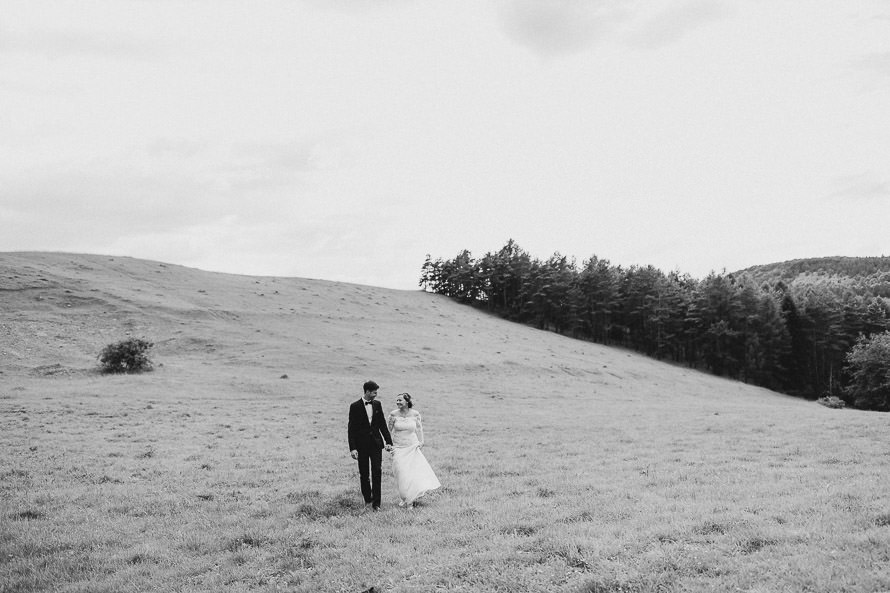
(126, 356)
(831, 401)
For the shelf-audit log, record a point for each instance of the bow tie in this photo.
(367, 403)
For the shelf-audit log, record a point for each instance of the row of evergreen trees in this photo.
(789, 336)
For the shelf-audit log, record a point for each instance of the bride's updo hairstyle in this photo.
(407, 398)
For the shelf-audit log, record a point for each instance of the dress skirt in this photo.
(413, 473)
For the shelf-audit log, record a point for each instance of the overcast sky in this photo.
(347, 139)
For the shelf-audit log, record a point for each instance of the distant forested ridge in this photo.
(790, 326)
(866, 274)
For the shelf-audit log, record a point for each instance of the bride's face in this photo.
(400, 402)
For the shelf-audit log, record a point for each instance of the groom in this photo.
(367, 434)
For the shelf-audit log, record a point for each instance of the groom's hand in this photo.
(354, 453)
(388, 448)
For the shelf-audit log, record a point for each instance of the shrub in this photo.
(126, 356)
(831, 401)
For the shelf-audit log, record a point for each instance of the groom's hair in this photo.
(370, 386)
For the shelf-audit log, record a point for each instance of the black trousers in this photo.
(370, 459)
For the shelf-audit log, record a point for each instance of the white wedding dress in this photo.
(413, 473)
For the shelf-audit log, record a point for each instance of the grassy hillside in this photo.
(565, 465)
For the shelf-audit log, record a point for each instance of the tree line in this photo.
(804, 333)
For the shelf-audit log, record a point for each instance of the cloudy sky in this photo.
(347, 139)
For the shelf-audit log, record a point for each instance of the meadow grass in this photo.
(179, 482)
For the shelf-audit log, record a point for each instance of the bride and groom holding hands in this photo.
(400, 432)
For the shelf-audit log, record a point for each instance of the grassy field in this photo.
(565, 466)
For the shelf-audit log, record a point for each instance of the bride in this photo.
(413, 473)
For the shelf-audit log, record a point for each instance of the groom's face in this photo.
(370, 395)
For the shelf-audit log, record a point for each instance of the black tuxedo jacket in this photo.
(364, 435)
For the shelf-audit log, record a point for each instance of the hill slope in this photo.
(59, 310)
